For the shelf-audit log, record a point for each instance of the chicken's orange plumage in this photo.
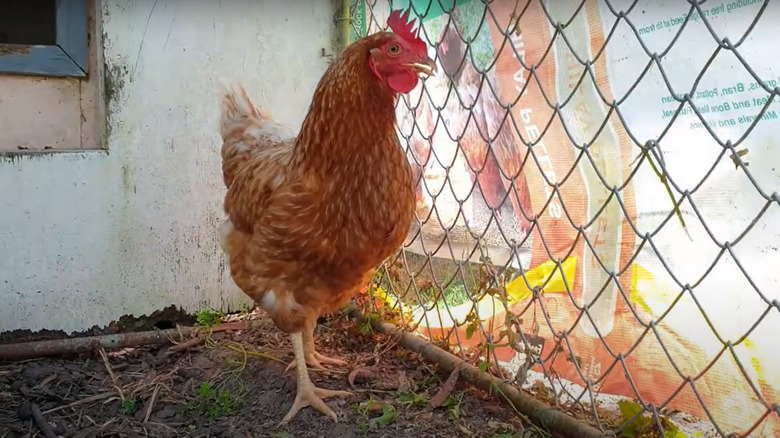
(310, 217)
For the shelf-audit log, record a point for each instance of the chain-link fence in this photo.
(598, 180)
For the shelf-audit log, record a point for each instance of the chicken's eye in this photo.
(393, 49)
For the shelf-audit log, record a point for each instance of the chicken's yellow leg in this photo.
(313, 359)
(308, 394)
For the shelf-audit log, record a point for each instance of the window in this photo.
(51, 82)
(44, 37)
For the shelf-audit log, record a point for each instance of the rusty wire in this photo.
(537, 307)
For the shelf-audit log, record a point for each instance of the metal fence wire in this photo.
(598, 181)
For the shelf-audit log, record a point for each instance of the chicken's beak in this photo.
(427, 67)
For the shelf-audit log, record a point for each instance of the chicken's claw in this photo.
(329, 360)
(310, 395)
(316, 360)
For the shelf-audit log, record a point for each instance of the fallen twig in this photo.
(40, 421)
(90, 399)
(185, 345)
(152, 400)
(58, 347)
(110, 371)
(202, 337)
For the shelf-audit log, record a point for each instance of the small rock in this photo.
(77, 377)
(210, 431)
(140, 414)
(25, 412)
(76, 368)
(160, 357)
(340, 429)
(218, 430)
(188, 385)
(16, 385)
(188, 374)
(59, 429)
(166, 412)
(25, 390)
(37, 372)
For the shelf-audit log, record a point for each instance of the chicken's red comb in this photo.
(398, 21)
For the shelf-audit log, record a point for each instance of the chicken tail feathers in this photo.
(237, 107)
(249, 134)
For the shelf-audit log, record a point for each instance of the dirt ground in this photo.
(234, 385)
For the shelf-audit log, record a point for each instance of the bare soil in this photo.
(234, 385)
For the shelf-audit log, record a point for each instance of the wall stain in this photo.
(113, 83)
(127, 179)
(16, 157)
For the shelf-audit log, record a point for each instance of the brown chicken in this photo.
(311, 217)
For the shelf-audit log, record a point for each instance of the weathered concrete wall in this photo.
(90, 236)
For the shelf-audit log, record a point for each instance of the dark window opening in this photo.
(28, 22)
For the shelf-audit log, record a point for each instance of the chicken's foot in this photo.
(308, 394)
(314, 359)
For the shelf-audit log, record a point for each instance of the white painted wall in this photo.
(87, 237)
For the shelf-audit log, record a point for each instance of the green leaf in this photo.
(483, 366)
(470, 330)
(208, 317)
(388, 416)
(671, 430)
(628, 409)
(644, 423)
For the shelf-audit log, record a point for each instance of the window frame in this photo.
(69, 57)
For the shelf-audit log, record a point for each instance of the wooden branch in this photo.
(57, 347)
(537, 412)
